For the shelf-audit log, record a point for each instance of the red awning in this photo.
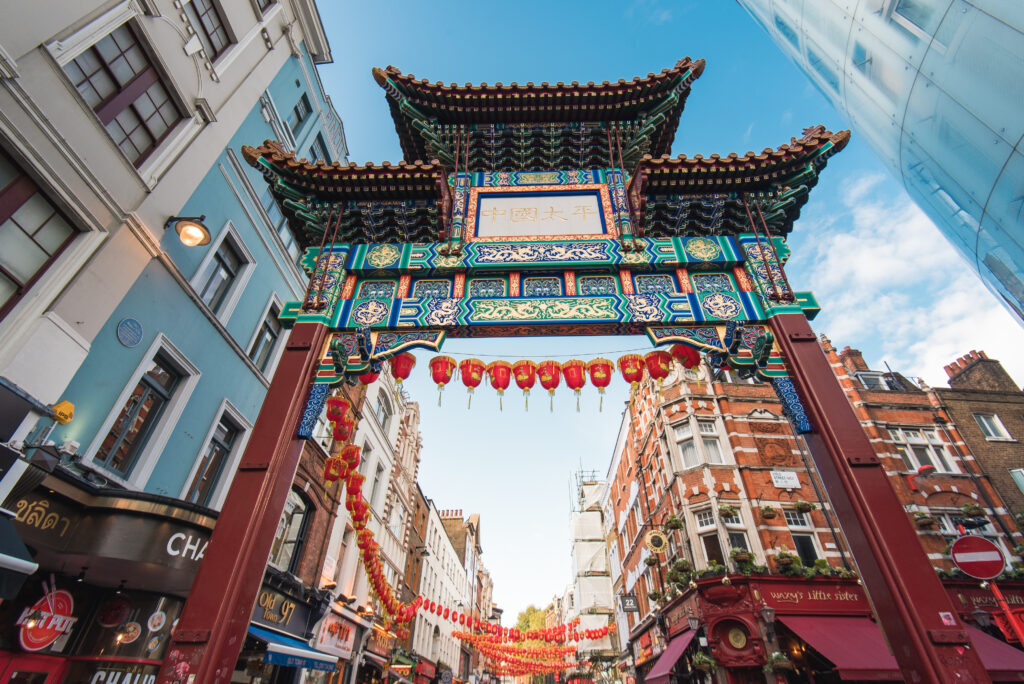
(659, 674)
(855, 645)
(1001, 660)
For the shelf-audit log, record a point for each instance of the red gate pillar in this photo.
(213, 624)
(907, 596)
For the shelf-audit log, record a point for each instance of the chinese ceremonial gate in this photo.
(555, 210)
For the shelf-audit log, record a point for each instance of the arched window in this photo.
(383, 412)
(291, 533)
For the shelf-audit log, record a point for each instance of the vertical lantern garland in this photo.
(632, 368)
(550, 374)
(659, 363)
(401, 367)
(472, 371)
(441, 370)
(600, 376)
(525, 373)
(575, 372)
(500, 373)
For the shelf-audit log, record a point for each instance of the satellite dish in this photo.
(656, 541)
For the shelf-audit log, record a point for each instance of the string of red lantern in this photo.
(656, 364)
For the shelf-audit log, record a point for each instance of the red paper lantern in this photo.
(525, 373)
(401, 367)
(472, 371)
(368, 377)
(337, 409)
(441, 370)
(500, 373)
(659, 363)
(600, 376)
(686, 355)
(335, 469)
(632, 368)
(550, 374)
(343, 429)
(350, 455)
(575, 372)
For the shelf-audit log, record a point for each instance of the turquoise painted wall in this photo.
(163, 306)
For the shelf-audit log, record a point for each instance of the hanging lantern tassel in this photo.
(525, 373)
(575, 372)
(472, 371)
(600, 376)
(658, 363)
(500, 373)
(550, 374)
(441, 370)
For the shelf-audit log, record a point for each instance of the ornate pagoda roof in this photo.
(378, 203)
(521, 127)
(684, 195)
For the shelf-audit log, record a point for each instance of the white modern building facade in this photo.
(935, 87)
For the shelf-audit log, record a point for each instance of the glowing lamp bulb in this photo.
(192, 233)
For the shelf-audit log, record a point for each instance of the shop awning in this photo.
(377, 660)
(855, 645)
(1001, 660)
(290, 652)
(659, 674)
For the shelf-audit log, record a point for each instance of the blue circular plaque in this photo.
(129, 332)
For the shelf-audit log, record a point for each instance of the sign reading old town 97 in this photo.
(540, 214)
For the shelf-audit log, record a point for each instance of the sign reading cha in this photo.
(187, 546)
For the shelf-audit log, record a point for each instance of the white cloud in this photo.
(892, 286)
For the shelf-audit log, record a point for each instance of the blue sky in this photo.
(888, 283)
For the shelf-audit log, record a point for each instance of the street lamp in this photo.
(190, 229)
(768, 615)
(692, 620)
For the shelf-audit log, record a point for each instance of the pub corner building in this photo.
(92, 581)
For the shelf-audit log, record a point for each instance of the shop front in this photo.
(337, 636)
(277, 647)
(424, 672)
(113, 571)
(815, 631)
(647, 646)
(376, 656)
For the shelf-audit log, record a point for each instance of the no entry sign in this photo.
(978, 557)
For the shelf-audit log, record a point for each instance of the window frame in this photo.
(1003, 435)
(698, 439)
(300, 537)
(20, 187)
(201, 32)
(243, 429)
(270, 364)
(904, 449)
(245, 270)
(300, 123)
(149, 454)
(314, 154)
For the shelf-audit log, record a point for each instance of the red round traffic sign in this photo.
(978, 557)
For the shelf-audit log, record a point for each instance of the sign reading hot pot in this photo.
(336, 636)
(47, 620)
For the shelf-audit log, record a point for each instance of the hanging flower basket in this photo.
(726, 510)
(972, 510)
(654, 595)
(924, 521)
(803, 506)
(769, 513)
(682, 565)
(784, 560)
(778, 662)
(740, 555)
(651, 561)
(673, 523)
(703, 662)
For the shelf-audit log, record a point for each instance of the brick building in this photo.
(712, 462)
(988, 407)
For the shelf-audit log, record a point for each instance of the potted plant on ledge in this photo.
(703, 662)
(778, 661)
